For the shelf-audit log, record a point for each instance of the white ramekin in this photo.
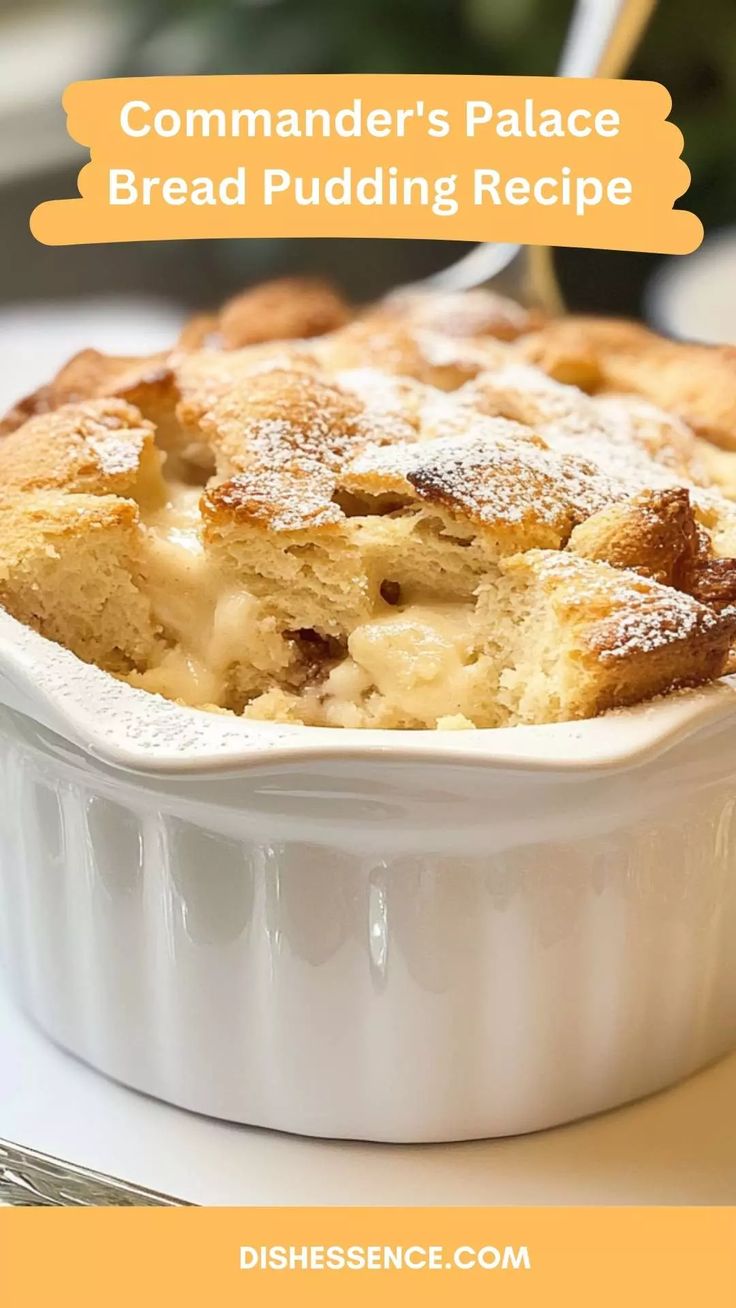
(404, 936)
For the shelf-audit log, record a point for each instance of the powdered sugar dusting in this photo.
(116, 454)
(282, 499)
(635, 444)
(626, 616)
(501, 482)
(464, 313)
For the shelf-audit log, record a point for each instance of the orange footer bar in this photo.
(595, 1257)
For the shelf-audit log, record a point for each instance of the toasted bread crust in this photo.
(288, 308)
(69, 566)
(695, 382)
(89, 375)
(101, 447)
(624, 638)
(466, 314)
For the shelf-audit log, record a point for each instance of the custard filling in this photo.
(417, 657)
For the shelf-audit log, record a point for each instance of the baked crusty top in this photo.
(412, 516)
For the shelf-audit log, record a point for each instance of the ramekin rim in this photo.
(134, 730)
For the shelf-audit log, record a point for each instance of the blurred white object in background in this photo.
(42, 52)
(694, 297)
(36, 339)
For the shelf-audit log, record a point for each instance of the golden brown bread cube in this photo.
(695, 382)
(100, 446)
(575, 637)
(70, 568)
(288, 308)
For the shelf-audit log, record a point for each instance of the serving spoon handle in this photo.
(601, 39)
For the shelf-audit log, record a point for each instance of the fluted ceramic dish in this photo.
(400, 936)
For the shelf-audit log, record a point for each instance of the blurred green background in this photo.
(691, 48)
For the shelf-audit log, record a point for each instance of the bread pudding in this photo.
(439, 512)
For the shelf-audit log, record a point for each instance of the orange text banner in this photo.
(552, 161)
(576, 1257)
